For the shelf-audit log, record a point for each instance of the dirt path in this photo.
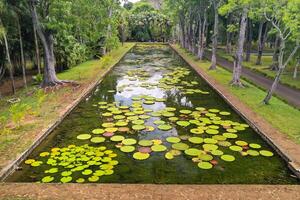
(290, 95)
(147, 192)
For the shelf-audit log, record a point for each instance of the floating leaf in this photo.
(169, 156)
(164, 127)
(66, 179)
(145, 143)
(84, 136)
(47, 179)
(93, 178)
(183, 123)
(180, 146)
(230, 135)
(241, 143)
(173, 139)
(205, 165)
(192, 152)
(141, 156)
(236, 148)
(228, 158)
(129, 141)
(138, 127)
(127, 149)
(98, 131)
(255, 146)
(117, 138)
(87, 172)
(196, 140)
(212, 131)
(210, 147)
(158, 148)
(197, 131)
(266, 153)
(97, 140)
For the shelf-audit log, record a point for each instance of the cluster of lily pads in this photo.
(208, 135)
(87, 163)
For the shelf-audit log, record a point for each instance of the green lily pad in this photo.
(127, 149)
(138, 122)
(253, 152)
(205, 165)
(141, 156)
(224, 143)
(87, 172)
(210, 141)
(47, 179)
(93, 179)
(192, 152)
(235, 148)
(98, 131)
(205, 157)
(230, 135)
(29, 161)
(168, 114)
(173, 119)
(117, 138)
(84, 136)
(219, 137)
(66, 179)
(180, 146)
(196, 140)
(145, 143)
(97, 140)
(80, 180)
(173, 139)
(158, 148)
(197, 131)
(266, 153)
(138, 127)
(169, 156)
(66, 173)
(224, 113)
(212, 131)
(255, 146)
(159, 122)
(217, 152)
(121, 123)
(241, 143)
(214, 110)
(185, 111)
(183, 123)
(53, 170)
(129, 141)
(210, 147)
(227, 158)
(164, 127)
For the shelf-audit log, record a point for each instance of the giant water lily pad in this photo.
(173, 139)
(252, 152)
(66, 179)
(138, 127)
(169, 156)
(158, 148)
(145, 143)
(185, 111)
(141, 156)
(241, 143)
(266, 153)
(180, 146)
(98, 139)
(255, 146)
(205, 165)
(196, 140)
(183, 123)
(210, 147)
(217, 152)
(127, 149)
(84, 136)
(192, 152)
(236, 148)
(129, 141)
(210, 141)
(205, 157)
(93, 179)
(164, 127)
(98, 131)
(212, 131)
(197, 131)
(138, 122)
(117, 138)
(227, 158)
(230, 135)
(47, 179)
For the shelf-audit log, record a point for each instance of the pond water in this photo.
(154, 120)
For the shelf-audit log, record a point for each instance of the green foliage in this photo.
(3, 124)
(37, 79)
(40, 96)
(18, 112)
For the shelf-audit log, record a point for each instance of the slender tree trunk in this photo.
(22, 55)
(108, 35)
(249, 41)
(50, 78)
(11, 74)
(274, 66)
(215, 38)
(202, 37)
(296, 69)
(228, 36)
(37, 50)
(237, 69)
(259, 41)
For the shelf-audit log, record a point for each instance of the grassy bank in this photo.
(264, 69)
(14, 139)
(279, 114)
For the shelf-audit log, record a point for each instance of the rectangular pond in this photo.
(154, 120)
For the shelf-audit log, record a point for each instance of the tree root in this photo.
(236, 83)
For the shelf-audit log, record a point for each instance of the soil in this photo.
(147, 192)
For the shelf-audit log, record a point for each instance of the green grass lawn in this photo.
(18, 139)
(279, 114)
(264, 69)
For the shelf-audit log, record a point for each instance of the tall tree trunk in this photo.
(274, 66)
(215, 38)
(11, 74)
(50, 78)
(260, 43)
(202, 37)
(37, 50)
(182, 28)
(237, 69)
(228, 36)
(296, 69)
(22, 55)
(249, 41)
